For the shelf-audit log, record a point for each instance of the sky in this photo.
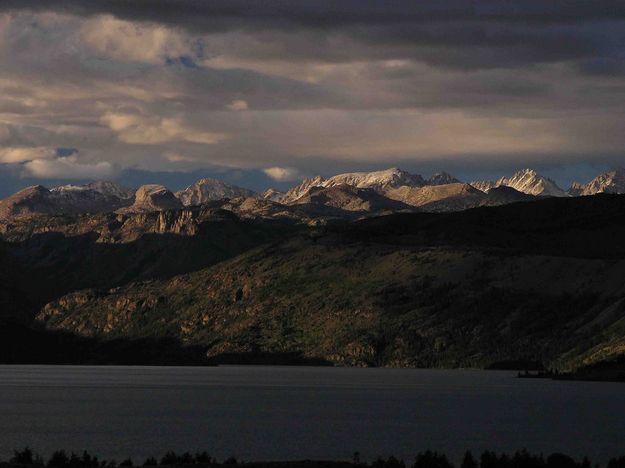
(264, 93)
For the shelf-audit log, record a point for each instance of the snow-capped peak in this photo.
(531, 182)
(377, 180)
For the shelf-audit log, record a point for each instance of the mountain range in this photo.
(363, 269)
(339, 196)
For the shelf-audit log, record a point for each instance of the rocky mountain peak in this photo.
(483, 185)
(272, 194)
(295, 193)
(205, 190)
(66, 199)
(576, 189)
(442, 178)
(380, 181)
(531, 182)
(377, 180)
(610, 182)
(153, 197)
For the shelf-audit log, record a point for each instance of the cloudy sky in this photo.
(262, 93)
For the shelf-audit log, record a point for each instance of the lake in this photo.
(283, 413)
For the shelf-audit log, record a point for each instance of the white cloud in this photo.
(238, 105)
(68, 167)
(14, 155)
(145, 130)
(282, 174)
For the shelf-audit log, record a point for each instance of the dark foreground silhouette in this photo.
(427, 459)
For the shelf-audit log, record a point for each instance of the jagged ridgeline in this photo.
(351, 270)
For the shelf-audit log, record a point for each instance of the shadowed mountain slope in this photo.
(539, 281)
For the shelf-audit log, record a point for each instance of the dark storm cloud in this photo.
(327, 14)
(451, 33)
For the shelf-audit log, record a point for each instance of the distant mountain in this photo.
(294, 193)
(106, 188)
(527, 181)
(503, 195)
(610, 182)
(66, 199)
(206, 190)
(441, 192)
(152, 197)
(380, 181)
(445, 197)
(272, 194)
(531, 182)
(456, 197)
(576, 189)
(483, 185)
(442, 178)
(350, 198)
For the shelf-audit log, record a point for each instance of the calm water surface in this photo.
(278, 413)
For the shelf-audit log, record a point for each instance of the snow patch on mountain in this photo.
(380, 181)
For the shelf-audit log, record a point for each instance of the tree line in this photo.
(427, 459)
